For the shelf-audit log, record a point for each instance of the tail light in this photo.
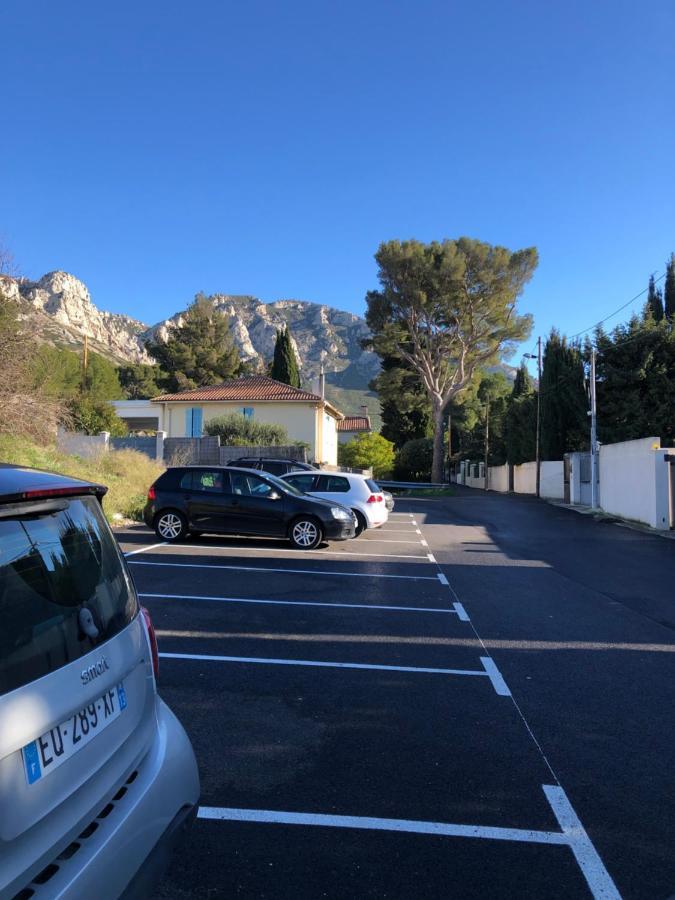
(151, 492)
(375, 498)
(152, 640)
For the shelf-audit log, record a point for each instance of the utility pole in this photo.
(538, 437)
(487, 433)
(85, 362)
(594, 437)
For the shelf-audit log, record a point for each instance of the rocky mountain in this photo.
(61, 312)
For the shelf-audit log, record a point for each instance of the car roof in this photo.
(236, 469)
(22, 483)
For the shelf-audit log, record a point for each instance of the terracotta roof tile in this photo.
(256, 387)
(354, 423)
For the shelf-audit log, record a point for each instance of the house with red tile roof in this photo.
(351, 426)
(306, 416)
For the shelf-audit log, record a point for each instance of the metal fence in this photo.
(147, 445)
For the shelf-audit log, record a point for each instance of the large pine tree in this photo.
(564, 402)
(669, 289)
(654, 305)
(200, 352)
(285, 363)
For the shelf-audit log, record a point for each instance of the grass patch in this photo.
(428, 492)
(126, 473)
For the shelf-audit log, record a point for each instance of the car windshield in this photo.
(284, 485)
(52, 568)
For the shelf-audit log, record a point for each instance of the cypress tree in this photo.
(285, 364)
(669, 289)
(564, 404)
(520, 426)
(654, 305)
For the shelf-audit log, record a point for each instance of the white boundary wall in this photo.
(85, 445)
(634, 481)
(525, 478)
(552, 477)
(499, 479)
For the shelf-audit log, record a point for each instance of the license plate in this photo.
(57, 745)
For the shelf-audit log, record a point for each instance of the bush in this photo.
(94, 416)
(368, 451)
(235, 430)
(413, 460)
(126, 473)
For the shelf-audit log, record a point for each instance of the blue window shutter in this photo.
(247, 412)
(197, 415)
(188, 423)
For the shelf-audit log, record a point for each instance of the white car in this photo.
(357, 492)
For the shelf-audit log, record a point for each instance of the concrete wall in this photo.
(140, 414)
(551, 480)
(499, 478)
(86, 445)
(634, 481)
(525, 478)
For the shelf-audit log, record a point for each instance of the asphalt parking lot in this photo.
(364, 724)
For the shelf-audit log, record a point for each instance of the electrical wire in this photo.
(616, 311)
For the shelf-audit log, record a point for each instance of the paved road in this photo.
(474, 701)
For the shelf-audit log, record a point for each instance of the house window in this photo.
(247, 412)
(193, 421)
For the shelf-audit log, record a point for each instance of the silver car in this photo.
(98, 779)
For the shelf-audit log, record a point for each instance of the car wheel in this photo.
(170, 525)
(306, 534)
(361, 523)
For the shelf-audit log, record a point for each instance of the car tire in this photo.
(361, 523)
(170, 525)
(305, 533)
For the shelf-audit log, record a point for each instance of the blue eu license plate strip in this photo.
(56, 746)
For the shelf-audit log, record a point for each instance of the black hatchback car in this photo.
(273, 466)
(228, 500)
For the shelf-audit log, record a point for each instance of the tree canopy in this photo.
(367, 451)
(198, 353)
(447, 308)
(520, 425)
(285, 363)
(564, 401)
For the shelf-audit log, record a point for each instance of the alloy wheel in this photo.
(305, 533)
(169, 526)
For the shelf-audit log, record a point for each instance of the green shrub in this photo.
(236, 430)
(94, 416)
(413, 460)
(368, 451)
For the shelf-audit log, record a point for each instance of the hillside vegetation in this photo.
(126, 473)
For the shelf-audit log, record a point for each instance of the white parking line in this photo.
(573, 834)
(374, 540)
(217, 548)
(143, 549)
(321, 664)
(495, 676)
(458, 610)
(431, 557)
(410, 530)
(443, 579)
(137, 562)
(228, 814)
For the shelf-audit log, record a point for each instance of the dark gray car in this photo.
(97, 777)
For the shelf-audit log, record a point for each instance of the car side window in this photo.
(186, 481)
(333, 484)
(247, 485)
(211, 482)
(275, 468)
(301, 482)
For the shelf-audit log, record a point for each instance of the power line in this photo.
(616, 311)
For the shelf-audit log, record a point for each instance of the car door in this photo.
(257, 506)
(333, 487)
(206, 499)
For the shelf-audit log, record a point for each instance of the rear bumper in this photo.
(129, 849)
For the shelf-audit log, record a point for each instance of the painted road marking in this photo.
(143, 549)
(461, 612)
(407, 515)
(424, 543)
(573, 834)
(592, 867)
(417, 531)
(443, 579)
(138, 562)
(458, 610)
(431, 557)
(217, 548)
(321, 664)
(495, 676)
(374, 540)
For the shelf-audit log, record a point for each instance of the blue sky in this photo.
(157, 149)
